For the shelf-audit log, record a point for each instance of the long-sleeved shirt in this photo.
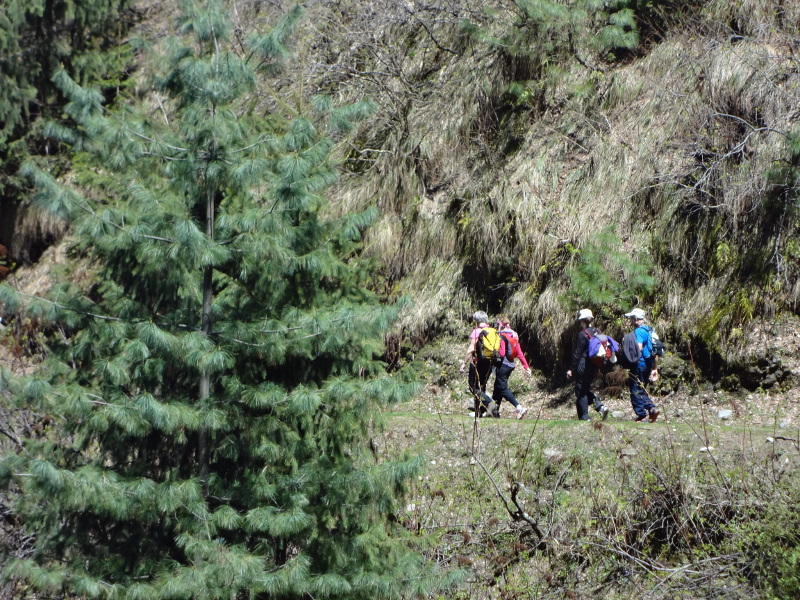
(579, 356)
(520, 355)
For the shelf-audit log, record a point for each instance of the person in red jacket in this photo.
(503, 371)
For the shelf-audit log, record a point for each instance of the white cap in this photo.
(585, 314)
(637, 313)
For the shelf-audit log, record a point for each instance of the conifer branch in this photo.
(142, 136)
(162, 324)
(99, 402)
(162, 109)
(85, 207)
(256, 144)
(74, 310)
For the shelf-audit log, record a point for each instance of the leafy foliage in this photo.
(214, 388)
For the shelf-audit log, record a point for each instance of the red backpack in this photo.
(509, 347)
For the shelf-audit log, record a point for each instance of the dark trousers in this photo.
(584, 394)
(478, 376)
(501, 391)
(640, 401)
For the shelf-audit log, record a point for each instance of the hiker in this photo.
(583, 371)
(479, 367)
(644, 370)
(504, 369)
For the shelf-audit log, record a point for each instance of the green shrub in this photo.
(604, 275)
(768, 542)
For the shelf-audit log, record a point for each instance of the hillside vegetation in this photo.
(536, 157)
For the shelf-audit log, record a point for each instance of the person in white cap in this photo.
(646, 369)
(583, 371)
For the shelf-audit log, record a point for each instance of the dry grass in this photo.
(35, 227)
(37, 280)
(756, 18)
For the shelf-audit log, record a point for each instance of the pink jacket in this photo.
(520, 355)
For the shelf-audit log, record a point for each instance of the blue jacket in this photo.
(643, 337)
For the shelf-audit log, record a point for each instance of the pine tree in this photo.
(213, 387)
(38, 35)
(607, 278)
(37, 38)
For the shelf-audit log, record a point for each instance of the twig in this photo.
(517, 515)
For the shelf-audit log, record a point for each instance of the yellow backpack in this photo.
(488, 347)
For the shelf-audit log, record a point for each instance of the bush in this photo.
(768, 542)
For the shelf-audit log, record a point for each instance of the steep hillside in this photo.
(525, 161)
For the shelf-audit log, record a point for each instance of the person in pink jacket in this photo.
(503, 371)
(479, 370)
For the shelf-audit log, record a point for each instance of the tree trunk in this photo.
(205, 378)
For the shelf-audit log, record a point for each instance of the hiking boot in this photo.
(640, 419)
(604, 412)
(653, 415)
(521, 412)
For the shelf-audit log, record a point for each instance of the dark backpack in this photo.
(488, 346)
(601, 347)
(630, 353)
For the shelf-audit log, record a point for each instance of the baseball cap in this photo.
(637, 313)
(585, 313)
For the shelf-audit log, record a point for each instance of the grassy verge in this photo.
(556, 508)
